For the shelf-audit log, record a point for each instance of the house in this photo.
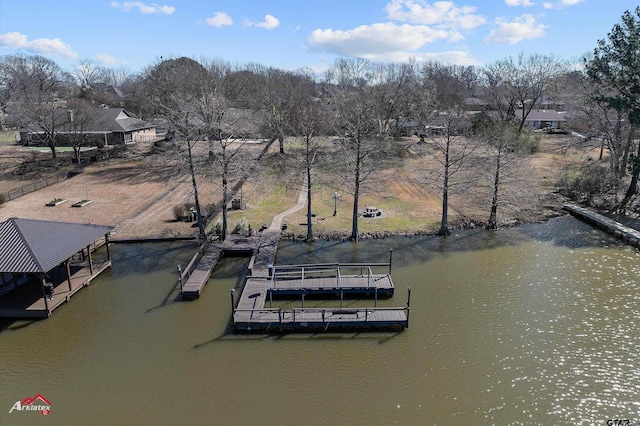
(107, 126)
(475, 104)
(543, 119)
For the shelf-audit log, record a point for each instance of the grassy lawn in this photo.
(60, 148)
(7, 137)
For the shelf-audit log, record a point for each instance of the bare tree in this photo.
(196, 108)
(178, 91)
(519, 84)
(310, 121)
(35, 88)
(446, 88)
(277, 94)
(81, 119)
(352, 84)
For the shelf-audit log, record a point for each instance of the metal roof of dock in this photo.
(37, 246)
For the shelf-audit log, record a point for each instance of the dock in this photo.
(251, 314)
(26, 301)
(628, 235)
(194, 277)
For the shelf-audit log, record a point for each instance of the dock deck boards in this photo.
(200, 275)
(250, 313)
(27, 302)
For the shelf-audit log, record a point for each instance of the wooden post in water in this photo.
(180, 277)
(390, 259)
(233, 290)
(408, 304)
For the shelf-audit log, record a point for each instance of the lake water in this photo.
(534, 325)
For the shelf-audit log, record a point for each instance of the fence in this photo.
(32, 187)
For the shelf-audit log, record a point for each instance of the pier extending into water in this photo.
(325, 281)
(628, 235)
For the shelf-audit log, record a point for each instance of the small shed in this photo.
(43, 263)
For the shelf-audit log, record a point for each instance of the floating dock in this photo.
(253, 315)
(628, 235)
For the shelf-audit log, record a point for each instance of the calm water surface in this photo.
(535, 325)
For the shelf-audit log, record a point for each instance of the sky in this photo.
(295, 34)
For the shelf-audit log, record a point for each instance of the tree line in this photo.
(363, 107)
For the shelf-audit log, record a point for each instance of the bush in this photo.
(179, 212)
(242, 227)
(593, 182)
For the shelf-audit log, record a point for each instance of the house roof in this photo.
(106, 120)
(542, 115)
(37, 246)
(117, 120)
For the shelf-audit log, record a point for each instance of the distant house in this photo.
(110, 126)
(475, 104)
(543, 118)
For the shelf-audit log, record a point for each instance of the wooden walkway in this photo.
(628, 235)
(27, 300)
(252, 315)
(197, 273)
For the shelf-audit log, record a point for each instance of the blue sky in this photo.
(293, 34)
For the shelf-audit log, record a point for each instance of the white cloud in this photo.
(374, 39)
(219, 19)
(453, 57)
(45, 46)
(106, 59)
(444, 14)
(270, 22)
(521, 28)
(144, 8)
(560, 4)
(525, 3)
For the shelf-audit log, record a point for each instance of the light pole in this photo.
(335, 203)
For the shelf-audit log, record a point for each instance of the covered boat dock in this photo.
(43, 263)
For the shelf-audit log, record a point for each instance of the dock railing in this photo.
(331, 271)
(193, 264)
(323, 316)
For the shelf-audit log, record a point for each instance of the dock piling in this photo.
(408, 304)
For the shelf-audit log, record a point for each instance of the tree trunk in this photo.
(356, 195)
(633, 185)
(225, 226)
(626, 152)
(52, 147)
(444, 222)
(493, 217)
(281, 142)
(201, 233)
(309, 225)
